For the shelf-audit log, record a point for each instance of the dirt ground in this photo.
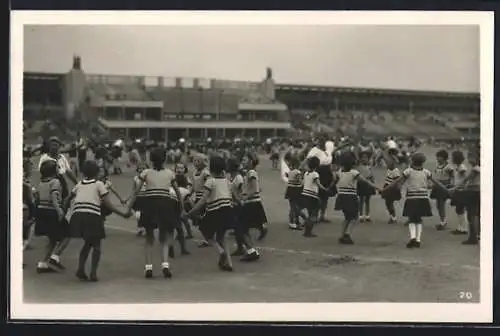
(378, 268)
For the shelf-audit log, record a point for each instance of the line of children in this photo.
(293, 191)
(458, 199)
(218, 201)
(347, 198)
(244, 241)
(393, 173)
(364, 190)
(88, 198)
(417, 203)
(252, 212)
(472, 194)
(158, 210)
(200, 176)
(444, 174)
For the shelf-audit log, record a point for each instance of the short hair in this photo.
(457, 157)
(347, 160)
(418, 159)
(442, 154)
(90, 169)
(313, 163)
(48, 169)
(217, 164)
(158, 157)
(232, 164)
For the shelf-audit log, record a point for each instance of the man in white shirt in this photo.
(63, 169)
(325, 173)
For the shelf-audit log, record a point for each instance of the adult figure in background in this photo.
(325, 174)
(82, 146)
(63, 168)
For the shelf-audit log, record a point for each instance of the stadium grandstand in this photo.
(165, 108)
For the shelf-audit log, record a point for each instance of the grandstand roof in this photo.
(322, 88)
(340, 89)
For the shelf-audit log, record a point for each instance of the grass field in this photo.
(378, 268)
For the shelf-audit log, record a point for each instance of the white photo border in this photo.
(481, 312)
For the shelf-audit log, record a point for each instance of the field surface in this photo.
(378, 268)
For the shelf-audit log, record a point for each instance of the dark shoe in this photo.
(309, 235)
(346, 240)
(166, 273)
(458, 232)
(148, 274)
(42, 270)
(56, 265)
(81, 275)
(411, 243)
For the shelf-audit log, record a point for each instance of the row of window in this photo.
(132, 115)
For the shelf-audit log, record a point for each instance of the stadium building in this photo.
(171, 108)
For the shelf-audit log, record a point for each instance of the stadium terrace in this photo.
(165, 108)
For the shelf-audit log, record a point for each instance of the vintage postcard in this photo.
(252, 166)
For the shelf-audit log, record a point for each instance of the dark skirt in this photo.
(293, 193)
(237, 217)
(392, 194)
(364, 189)
(27, 222)
(64, 186)
(326, 179)
(253, 215)
(48, 225)
(88, 226)
(311, 204)
(438, 193)
(416, 208)
(348, 204)
(159, 213)
(138, 203)
(217, 222)
(458, 198)
(275, 156)
(473, 202)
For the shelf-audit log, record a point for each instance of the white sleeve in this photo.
(284, 171)
(312, 153)
(43, 158)
(64, 162)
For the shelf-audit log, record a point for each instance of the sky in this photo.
(436, 58)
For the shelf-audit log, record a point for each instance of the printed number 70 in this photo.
(465, 295)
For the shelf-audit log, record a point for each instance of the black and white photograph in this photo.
(234, 166)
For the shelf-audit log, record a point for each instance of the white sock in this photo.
(55, 257)
(419, 232)
(137, 215)
(413, 230)
(462, 223)
(165, 264)
(148, 267)
(42, 264)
